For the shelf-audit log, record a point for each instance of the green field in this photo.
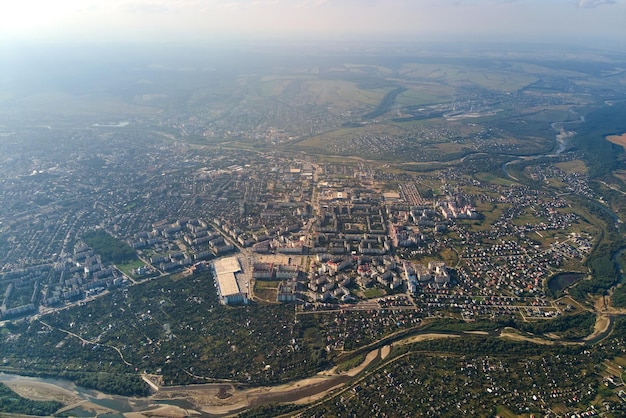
(128, 268)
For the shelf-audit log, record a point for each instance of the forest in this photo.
(111, 250)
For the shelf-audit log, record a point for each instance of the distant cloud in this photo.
(589, 4)
(327, 19)
(168, 6)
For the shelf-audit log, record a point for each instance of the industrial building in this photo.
(225, 271)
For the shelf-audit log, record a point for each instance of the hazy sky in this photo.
(202, 20)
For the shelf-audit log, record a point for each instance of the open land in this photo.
(617, 139)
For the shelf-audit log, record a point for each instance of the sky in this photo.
(574, 21)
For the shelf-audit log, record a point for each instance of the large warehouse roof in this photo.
(228, 284)
(225, 270)
(227, 265)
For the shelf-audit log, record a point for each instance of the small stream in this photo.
(617, 256)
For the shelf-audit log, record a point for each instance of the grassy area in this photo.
(505, 413)
(527, 218)
(572, 264)
(351, 363)
(128, 268)
(491, 212)
(451, 148)
(313, 336)
(273, 87)
(591, 224)
(265, 284)
(451, 74)
(321, 142)
(493, 179)
(373, 293)
(341, 92)
(266, 290)
(574, 166)
(99, 109)
(422, 95)
(449, 256)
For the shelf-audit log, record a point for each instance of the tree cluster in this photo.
(15, 404)
(111, 250)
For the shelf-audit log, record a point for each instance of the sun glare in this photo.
(34, 15)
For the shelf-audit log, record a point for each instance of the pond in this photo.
(559, 282)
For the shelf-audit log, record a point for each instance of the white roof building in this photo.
(225, 270)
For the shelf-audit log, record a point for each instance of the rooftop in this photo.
(225, 270)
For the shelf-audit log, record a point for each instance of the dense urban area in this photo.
(431, 236)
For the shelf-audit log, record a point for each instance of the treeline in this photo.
(618, 298)
(604, 269)
(602, 157)
(604, 272)
(15, 404)
(114, 383)
(619, 331)
(458, 325)
(271, 410)
(483, 163)
(483, 345)
(110, 249)
(568, 327)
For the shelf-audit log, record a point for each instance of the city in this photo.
(229, 236)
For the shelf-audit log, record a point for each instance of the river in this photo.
(561, 137)
(67, 392)
(201, 400)
(559, 147)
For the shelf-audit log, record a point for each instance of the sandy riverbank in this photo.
(214, 399)
(40, 391)
(226, 399)
(602, 325)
